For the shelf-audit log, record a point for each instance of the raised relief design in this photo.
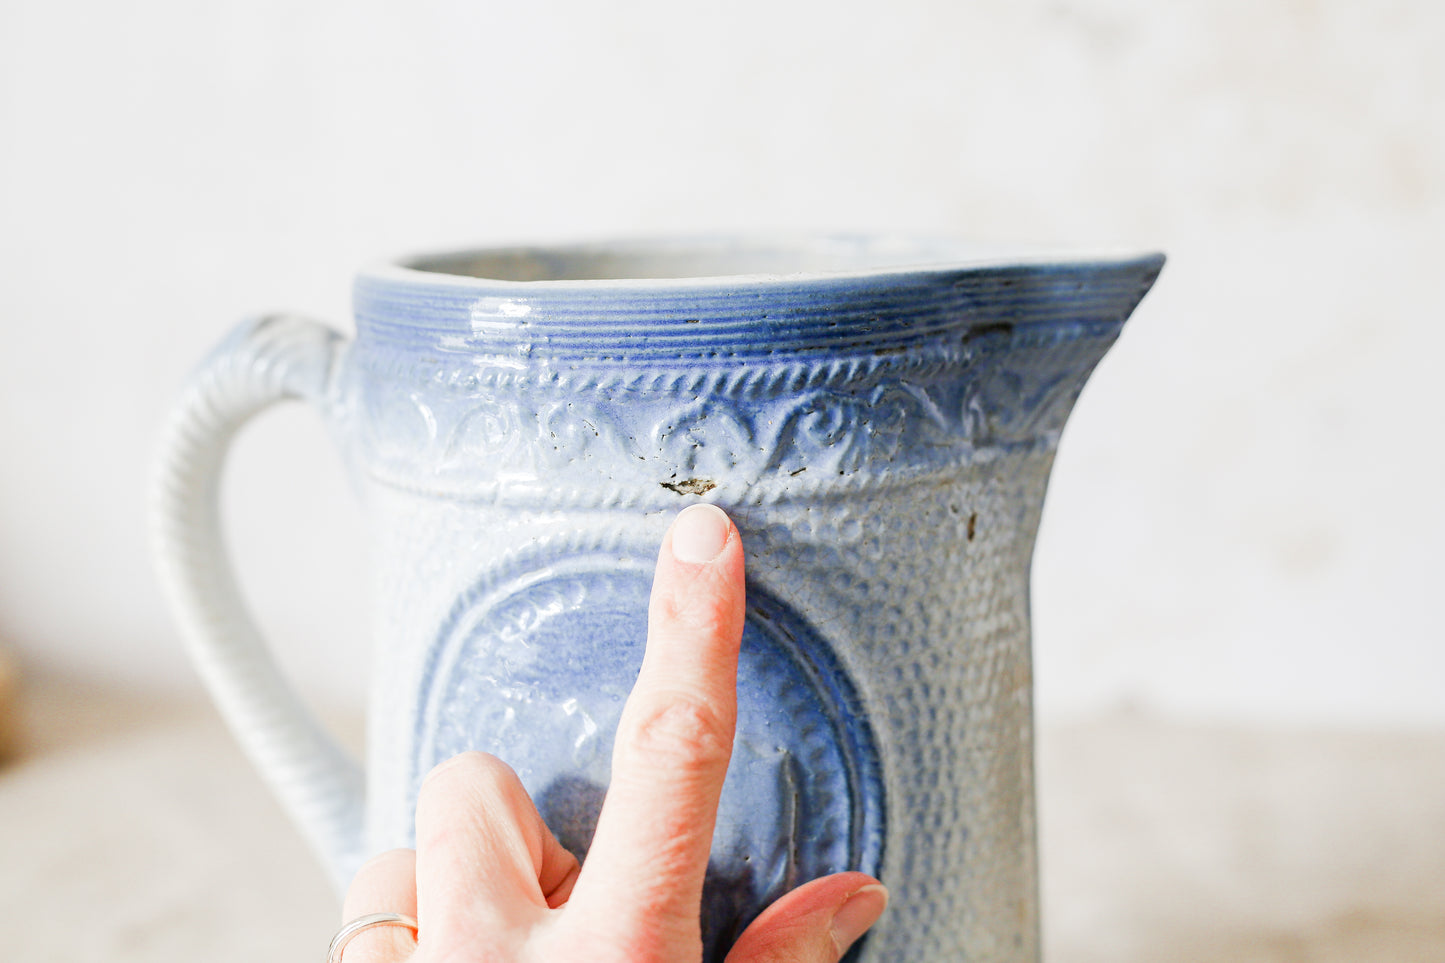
(707, 438)
(752, 429)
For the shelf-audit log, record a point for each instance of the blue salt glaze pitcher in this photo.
(878, 416)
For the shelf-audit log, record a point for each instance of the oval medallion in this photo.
(535, 669)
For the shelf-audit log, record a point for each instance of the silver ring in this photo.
(350, 930)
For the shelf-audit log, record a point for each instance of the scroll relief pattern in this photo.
(478, 431)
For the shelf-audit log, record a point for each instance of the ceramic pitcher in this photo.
(879, 417)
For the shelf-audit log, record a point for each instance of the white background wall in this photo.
(1246, 515)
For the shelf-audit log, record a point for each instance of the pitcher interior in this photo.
(700, 258)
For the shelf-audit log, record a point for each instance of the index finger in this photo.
(649, 855)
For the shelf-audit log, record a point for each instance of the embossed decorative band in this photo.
(764, 430)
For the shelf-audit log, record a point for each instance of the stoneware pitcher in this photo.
(879, 417)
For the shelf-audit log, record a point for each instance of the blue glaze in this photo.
(878, 417)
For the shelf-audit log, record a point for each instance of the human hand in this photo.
(489, 883)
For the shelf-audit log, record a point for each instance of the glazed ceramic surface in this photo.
(879, 418)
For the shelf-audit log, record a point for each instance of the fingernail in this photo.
(860, 912)
(699, 534)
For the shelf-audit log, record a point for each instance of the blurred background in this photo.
(1240, 645)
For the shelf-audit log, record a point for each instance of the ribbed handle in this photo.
(262, 362)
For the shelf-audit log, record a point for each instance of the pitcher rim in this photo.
(895, 255)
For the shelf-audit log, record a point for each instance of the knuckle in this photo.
(387, 862)
(693, 616)
(475, 781)
(681, 733)
(469, 768)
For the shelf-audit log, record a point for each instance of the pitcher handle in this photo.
(263, 361)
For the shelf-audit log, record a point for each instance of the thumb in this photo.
(815, 923)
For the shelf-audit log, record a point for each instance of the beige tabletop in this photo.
(131, 829)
